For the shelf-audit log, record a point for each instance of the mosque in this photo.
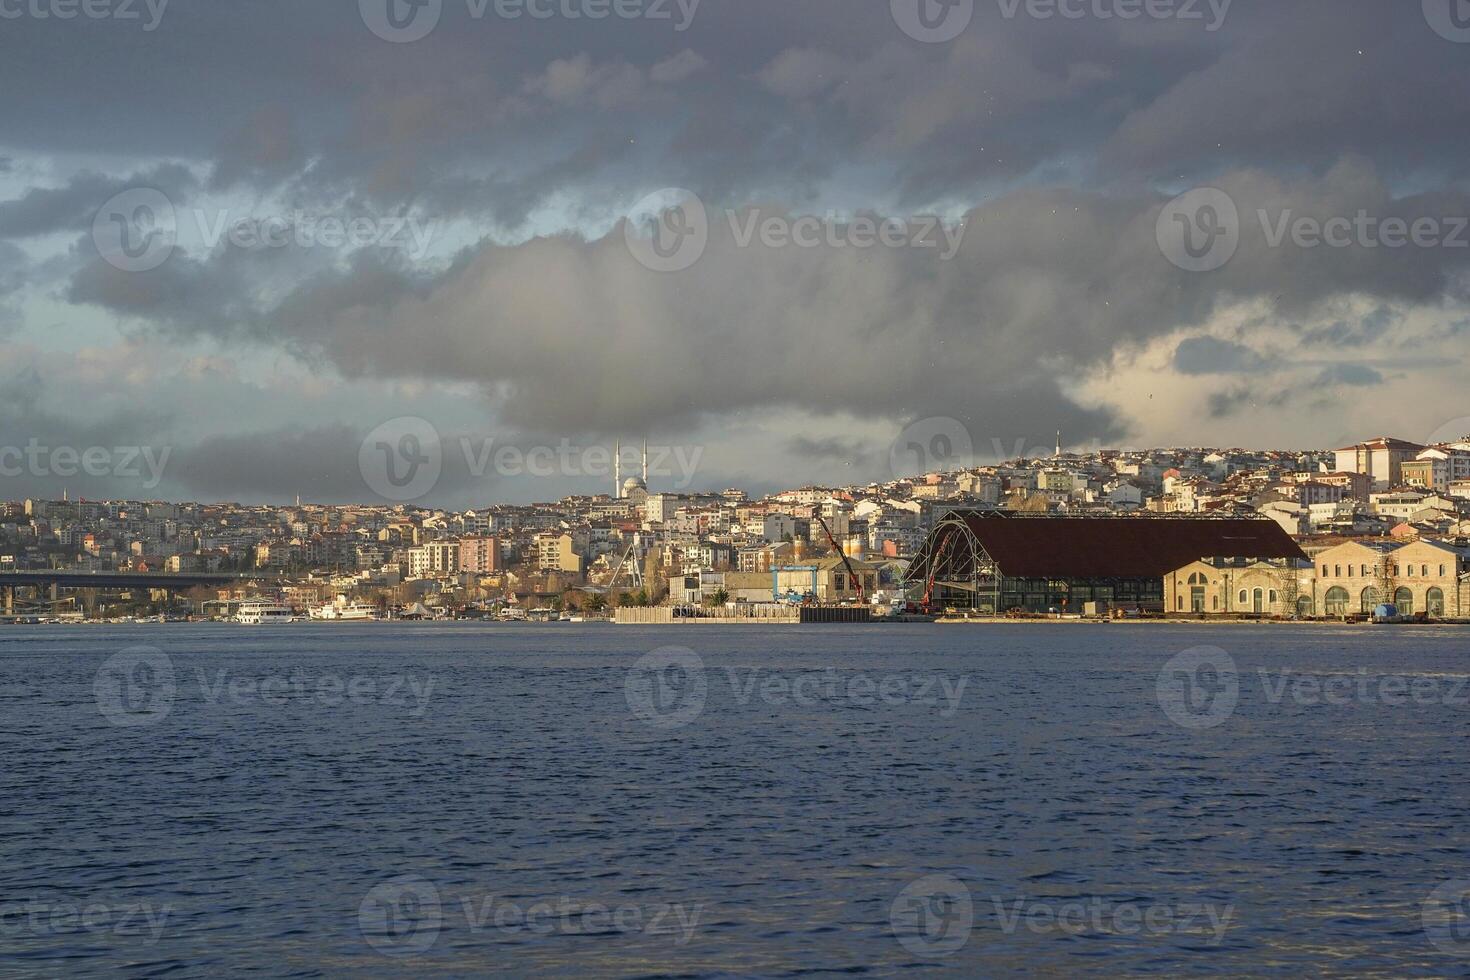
(634, 488)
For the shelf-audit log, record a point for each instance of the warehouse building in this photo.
(994, 562)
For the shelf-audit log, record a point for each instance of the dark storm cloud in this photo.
(72, 207)
(1059, 139)
(563, 330)
(1210, 355)
(43, 451)
(850, 451)
(318, 463)
(1353, 375)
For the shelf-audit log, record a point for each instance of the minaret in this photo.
(645, 462)
(618, 470)
(1059, 444)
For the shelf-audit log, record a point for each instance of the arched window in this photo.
(1423, 571)
(1411, 570)
(1370, 599)
(1324, 571)
(1441, 571)
(1336, 601)
(1364, 567)
(1214, 602)
(1337, 571)
(1273, 595)
(1434, 602)
(1244, 597)
(1179, 604)
(1404, 599)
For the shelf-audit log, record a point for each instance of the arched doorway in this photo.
(1434, 601)
(1258, 601)
(1197, 592)
(1372, 598)
(1337, 601)
(1404, 599)
(1304, 606)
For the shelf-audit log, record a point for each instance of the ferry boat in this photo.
(257, 612)
(344, 610)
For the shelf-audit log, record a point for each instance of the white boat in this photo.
(256, 612)
(344, 610)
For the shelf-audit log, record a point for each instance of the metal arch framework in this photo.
(952, 560)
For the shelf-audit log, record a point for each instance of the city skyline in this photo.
(596, 468)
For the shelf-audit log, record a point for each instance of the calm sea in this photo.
(443, 800)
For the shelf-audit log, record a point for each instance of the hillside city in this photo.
(643, 546)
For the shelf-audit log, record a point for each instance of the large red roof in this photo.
(1121, 547)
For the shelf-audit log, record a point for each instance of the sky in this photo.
(259, 250)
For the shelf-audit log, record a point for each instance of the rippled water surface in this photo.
(442, 800)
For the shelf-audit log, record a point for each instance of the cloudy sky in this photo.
(789, 240)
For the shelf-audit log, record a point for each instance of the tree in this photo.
(718, 598)
(596, 602)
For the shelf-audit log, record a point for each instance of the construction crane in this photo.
(856, 578)
(940, 554)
